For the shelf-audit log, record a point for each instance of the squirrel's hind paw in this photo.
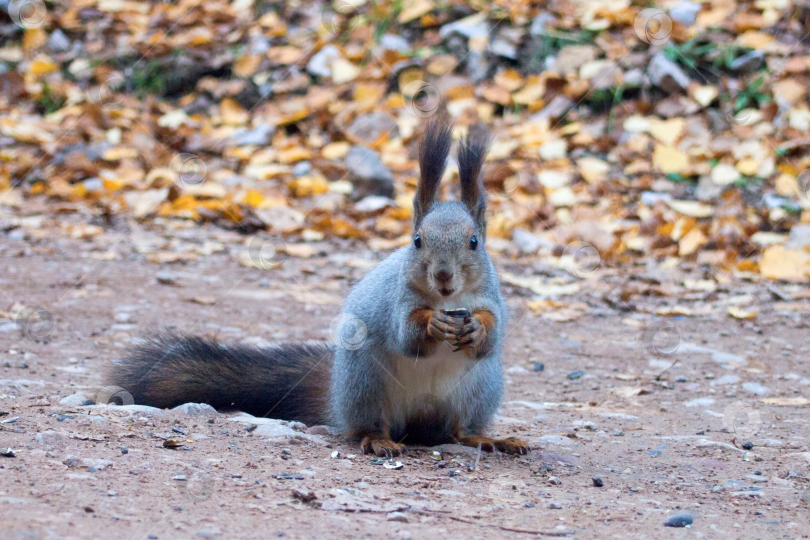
(382, 446)
(510, 445)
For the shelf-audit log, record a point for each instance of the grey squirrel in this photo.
(417, 355)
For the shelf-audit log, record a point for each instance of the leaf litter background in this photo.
(646, 160)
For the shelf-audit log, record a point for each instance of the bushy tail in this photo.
(287, 381)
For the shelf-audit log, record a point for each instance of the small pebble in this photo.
(718, 489)
(8, 452)
(618, 433)
(555, 506)
(286, 453)
(681, 378)
(681, 520)
(539, 366)
(574, 375)
(597, 482)
(124, 450)
(397, 516)
(701, 432)
(747, 445)
(528, 505)
(553, 480)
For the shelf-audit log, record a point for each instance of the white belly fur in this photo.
(416, 381)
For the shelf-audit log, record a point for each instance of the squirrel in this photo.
(417, 357)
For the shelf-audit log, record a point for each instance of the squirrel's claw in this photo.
(382, 446)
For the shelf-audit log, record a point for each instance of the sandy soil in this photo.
(662, 447)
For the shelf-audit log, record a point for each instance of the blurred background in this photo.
(627, 134)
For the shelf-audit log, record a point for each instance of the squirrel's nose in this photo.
(443, 275)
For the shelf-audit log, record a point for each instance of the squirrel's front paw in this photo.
(382, 446)
(442, 327)
(471, 335)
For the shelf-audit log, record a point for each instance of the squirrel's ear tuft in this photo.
(471, 154)
(433, 152)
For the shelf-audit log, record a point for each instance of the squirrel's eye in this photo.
(473, 243)
(417, 242)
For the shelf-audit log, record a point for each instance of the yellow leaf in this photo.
(742, 313)
(779, 262)
(42, 66)
(670, 160)
(232, 113)
(253, 198)
(691, 242)
(531, 93)
(344, 71)
(247, 65)
(414, 10)
(303, 251)
(754, 39)
(335, 150)
(510, 80)
(691, 208)
(667, 131)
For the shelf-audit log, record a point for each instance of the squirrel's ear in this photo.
(471, 154)
(433, 153)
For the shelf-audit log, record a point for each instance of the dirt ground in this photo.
(584, 393)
